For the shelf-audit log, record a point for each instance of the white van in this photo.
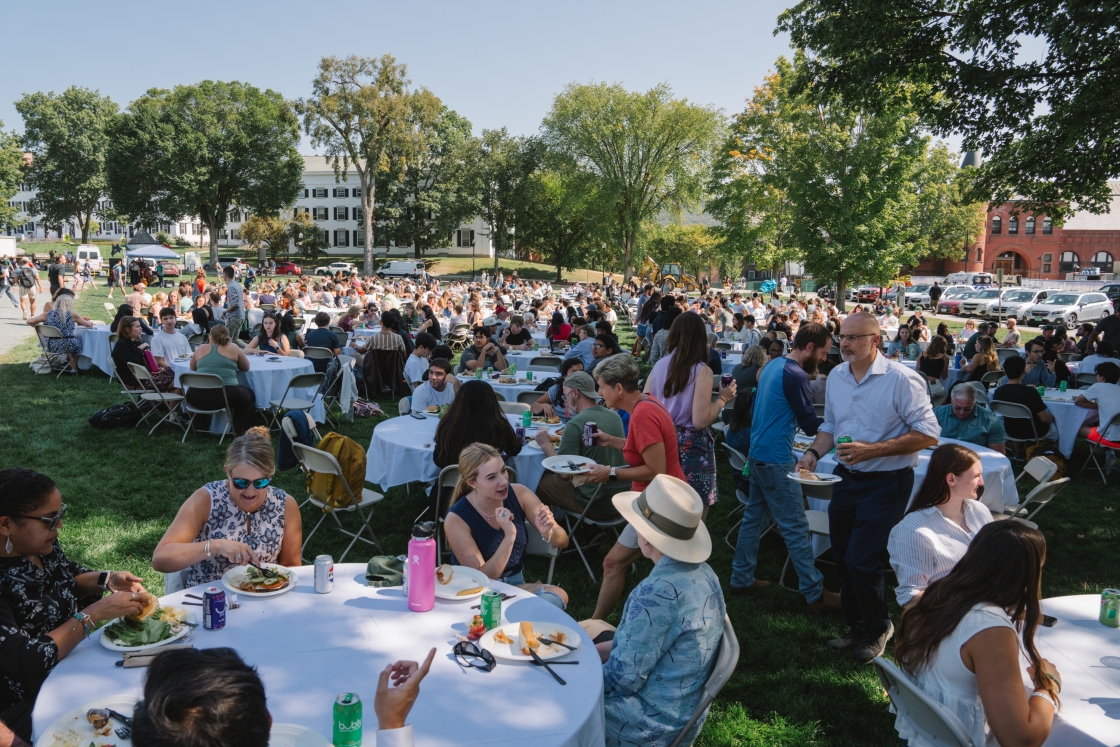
(401, 268)
(88, 253)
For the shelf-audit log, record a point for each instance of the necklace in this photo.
(476, 508)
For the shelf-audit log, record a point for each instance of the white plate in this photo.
(510, 650)
(235, 574)
(825, 478)
(532, 442)
(559, 464)
(76, 719)
(294, 735)
(462, 578)
(112, 645)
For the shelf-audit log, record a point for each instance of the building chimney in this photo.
(971, 158)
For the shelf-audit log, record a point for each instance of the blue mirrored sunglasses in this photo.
(241, 483)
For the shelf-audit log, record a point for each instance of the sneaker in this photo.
(829, 601)
(758, 585)
(847, 640)
(869, 649)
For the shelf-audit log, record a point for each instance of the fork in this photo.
(122, 732)
(268, 572)
(550, 642)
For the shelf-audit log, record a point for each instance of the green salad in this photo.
(140, 632)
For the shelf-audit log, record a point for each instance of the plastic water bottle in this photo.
(422, 567)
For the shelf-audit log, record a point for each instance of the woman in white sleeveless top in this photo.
(961, 642)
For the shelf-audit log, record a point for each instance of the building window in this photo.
(196, 228)
(326, 237)
(182, 229)
(997, 224)
(1013, 225)
(235, 235)
(464, 238)
(357, 213)
(979, 255)
(1047, 257)
(342, 238)
(1030, 226)
(359, 238)
(223, 234)
(319, 193)
(1046, 268)
(1047, 225)
(321, 213)
(340, 192)
(356, 192)
(1068, 262)
(1102, 261)
(341, 213)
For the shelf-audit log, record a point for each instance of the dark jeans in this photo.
(241, 400)
(863, 510)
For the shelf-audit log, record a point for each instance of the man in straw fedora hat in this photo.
(655, 667)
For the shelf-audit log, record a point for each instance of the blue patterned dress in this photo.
(69, 343)
(662, 654)
(265, 532)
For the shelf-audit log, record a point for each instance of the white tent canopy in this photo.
(151, 251)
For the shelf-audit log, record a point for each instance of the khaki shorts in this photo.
(25, 292)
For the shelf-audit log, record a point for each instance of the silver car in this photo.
(1069, 309)
(1015, 304)
(978, 304)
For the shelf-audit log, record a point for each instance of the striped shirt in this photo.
(925, 546)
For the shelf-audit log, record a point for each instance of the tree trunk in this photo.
(367, 222)
(496, 244)
(628, 252)
(214, 250)
(840, 295)
(85, 227)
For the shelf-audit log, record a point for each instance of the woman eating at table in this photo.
(474, 416)
(655, 667)
(983, 362)
(963, 641)
(270, 340)
(223, 358)
(558, 330)
(942, 520)
(933, 363)
(903, 344)
(63, 318)
(236, 521)
(48, 603)
(485, 525)
(130, 348)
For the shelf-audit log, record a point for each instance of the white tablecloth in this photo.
(268, 380)
(400, 452)
(95, 344)
(1068, 417)
(510, 391)
(1090, 713)
(310, 647)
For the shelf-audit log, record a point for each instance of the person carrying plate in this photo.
(48, 604)
(235, 521)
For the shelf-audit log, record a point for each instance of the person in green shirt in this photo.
(561, 491)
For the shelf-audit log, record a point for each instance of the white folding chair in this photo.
(1085, 380)
(723, 666)
(513, 408)
(314, 460)
(290, 431)
(404, 407)
(1040, 469)
(583, 518)
(160, 400)
(1096, 447)
(536, 545)
(196, 340)
(448, 478)
(205, 381)
(291, 402)
(110, 308)
(933, 721)
(1040, 497)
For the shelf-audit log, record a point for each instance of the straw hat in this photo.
(667, 514)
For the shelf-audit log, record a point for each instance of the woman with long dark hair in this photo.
(558, 329)
(270, 339)
(959, 643)
(682, 380)
(474, 416)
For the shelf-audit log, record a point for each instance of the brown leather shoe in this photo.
(758, 585)
(829, 601)
(847, 640)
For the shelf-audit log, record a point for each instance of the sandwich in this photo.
(433, 409)
(444, 573)
(151, 604)
(526, 638)
(805, 474)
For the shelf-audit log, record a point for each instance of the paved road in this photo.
(13, 331)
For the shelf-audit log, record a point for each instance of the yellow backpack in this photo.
(352, 458)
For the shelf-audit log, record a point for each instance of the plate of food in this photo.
(805, 477)
(508, 380)
(76, 729)
(553, 436)
(155, 626)
(432, 410)
(513, 640)
(294, 735)
(547, 419)
(457, 582)
(250, 580)
(568, 464)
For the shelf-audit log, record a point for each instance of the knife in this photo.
(541, 662)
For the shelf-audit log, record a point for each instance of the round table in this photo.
(268, 380)
(510, 391)
(310, 647)
(400, 452)
(95, 344)
(1068, 417)
(1078, 646)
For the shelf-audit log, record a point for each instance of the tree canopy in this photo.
(11, 174)
(564, 217)
(68, 137)
(1046, 122)
(504, 165)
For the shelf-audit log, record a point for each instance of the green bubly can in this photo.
(1110, 608)
(491, 609)
(347, 730)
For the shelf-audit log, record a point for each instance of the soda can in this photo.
(512, 370)
(478, 373)
(491, 609)
(213, 608)
(324, 574)
(490, 369)
(528, 376)
(725, 380)
(347, 731)
(589, 431)
(1110, 608)
(723, 353)
(520, 433)
(1062, 386)
(1041, 391)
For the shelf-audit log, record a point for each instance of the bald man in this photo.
(884, 408)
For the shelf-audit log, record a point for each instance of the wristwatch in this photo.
(103, 580)
(614, 474)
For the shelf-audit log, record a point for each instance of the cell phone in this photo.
(1049, 621)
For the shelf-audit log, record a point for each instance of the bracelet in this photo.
(1055, 681)
(549, 537)
(206, 548)
(813, 451)
(1046, 697)
(86, 621)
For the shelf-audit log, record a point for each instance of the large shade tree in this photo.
(564, 218)
(203, 149)
(67, 135)
(649, 150)
(11, 174)
(503, 167)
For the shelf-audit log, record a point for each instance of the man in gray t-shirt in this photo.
(235, 304)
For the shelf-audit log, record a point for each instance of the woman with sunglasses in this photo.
(236, 521)
(48, 604)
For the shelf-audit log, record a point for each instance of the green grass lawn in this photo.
(123, 489)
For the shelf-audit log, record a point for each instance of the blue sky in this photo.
(497, 63)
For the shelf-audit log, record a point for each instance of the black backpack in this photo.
(117, 416)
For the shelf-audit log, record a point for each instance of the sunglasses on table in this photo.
(470, 655)
(241, 483)
(50, 521)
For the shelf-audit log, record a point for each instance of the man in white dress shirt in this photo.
(883, 407)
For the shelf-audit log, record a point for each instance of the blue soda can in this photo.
(213, 608)
(958, 361)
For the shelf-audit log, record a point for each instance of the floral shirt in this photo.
(264, 533)
(33, 602)
(662, 654)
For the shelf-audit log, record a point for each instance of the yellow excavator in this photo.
(667, 277)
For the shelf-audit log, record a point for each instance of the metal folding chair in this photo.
(160, 400)
(314, 460)
(1015, 411)
(583, 518)
(404, 407)
(1085, 379)
(291, 402)
(205, 381)
(513, 408)
(57, 361)
(1096, 447)
(545, 362)
(528, 398)
(1040, 497)
(723, 666)
(933, 721)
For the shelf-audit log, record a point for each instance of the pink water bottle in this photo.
(422, 567)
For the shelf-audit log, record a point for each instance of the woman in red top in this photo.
(650, 449)
(558, 330)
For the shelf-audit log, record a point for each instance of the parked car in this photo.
(1070, 308)
(867, 295)
(333, 267)
(1015, 303)
(917, 297)
(88, 253)
(288, 268)
(171, 269)
(978, 304)
(224, 263)
(400, 268)
(1112, 290)
(975, 279)
(950, 302)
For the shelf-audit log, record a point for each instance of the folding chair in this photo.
(290, 430)
(991, 378)
(1040, 468)
(58, 361)
(314, 460)
(157, 398)
(724, 346)
(1086, 379)
(1040, 496)
(111, 308)
(536, 545)
(313, 353)
(583, 518)
(205, 381)
(933, 721)
(196, 340)
(539, 362)
(458, 338)
(501, 397)
(528, 398)
(1098, 446)
(513, 408)
(404, 407)
(1005, 353)
(300, 381)
(1015, 411)
(723, 666)
(330, 401)
(448, 478)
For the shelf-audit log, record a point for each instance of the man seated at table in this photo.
(517, 336)
(1104, 396)
(962, 420)
(168, 342)
(582, 349)
(439, 389)
(322, 337)
(1017, 392)
(211, 698)
(582, 401)
(482, 353)
(1038, 372)
(417, 363)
